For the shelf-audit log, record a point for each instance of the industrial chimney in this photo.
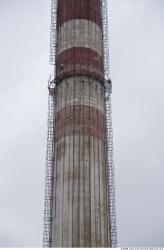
(79, 198)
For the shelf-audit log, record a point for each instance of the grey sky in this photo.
(137, 59)
(137, 55)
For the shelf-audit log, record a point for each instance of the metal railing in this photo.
(50, 156)
(109, 130)
(50, 180)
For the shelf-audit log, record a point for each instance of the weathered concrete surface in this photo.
(79, 49)
(80, 90)
(80, 33)
(80, 214)
(81, 218)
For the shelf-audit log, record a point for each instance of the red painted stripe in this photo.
(79, 9)
(75, 61)
(80, 119)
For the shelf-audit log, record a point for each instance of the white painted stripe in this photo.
(67, 94)
(80, 33)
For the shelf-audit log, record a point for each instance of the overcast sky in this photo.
(137, 61)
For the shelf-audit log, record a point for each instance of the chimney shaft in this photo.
(80, 210)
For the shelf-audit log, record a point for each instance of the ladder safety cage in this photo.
(50, 155)
(49, 181)
(109, 131)
(53, 33)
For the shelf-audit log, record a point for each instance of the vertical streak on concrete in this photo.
(97, 179)
(87, 221)
(76, 193)
(97, 195)
(60, 183)
(81, 155)
(92, 177)
(65, 178)
(76, 178)
(70, 196)
(93, 238)
(69, 224)
(103, 200)
(101, 194)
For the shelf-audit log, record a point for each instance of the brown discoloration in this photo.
(90, 122)
(79, 61)
(79, 9)
(60, 152)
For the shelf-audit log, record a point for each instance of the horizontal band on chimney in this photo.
(79, 61)
(79, 9)
(80, 120)
(80, 90)
(80, 33)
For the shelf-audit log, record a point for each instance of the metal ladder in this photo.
(53, 33)
(109, 131)
(50, 156)
(110, 167)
